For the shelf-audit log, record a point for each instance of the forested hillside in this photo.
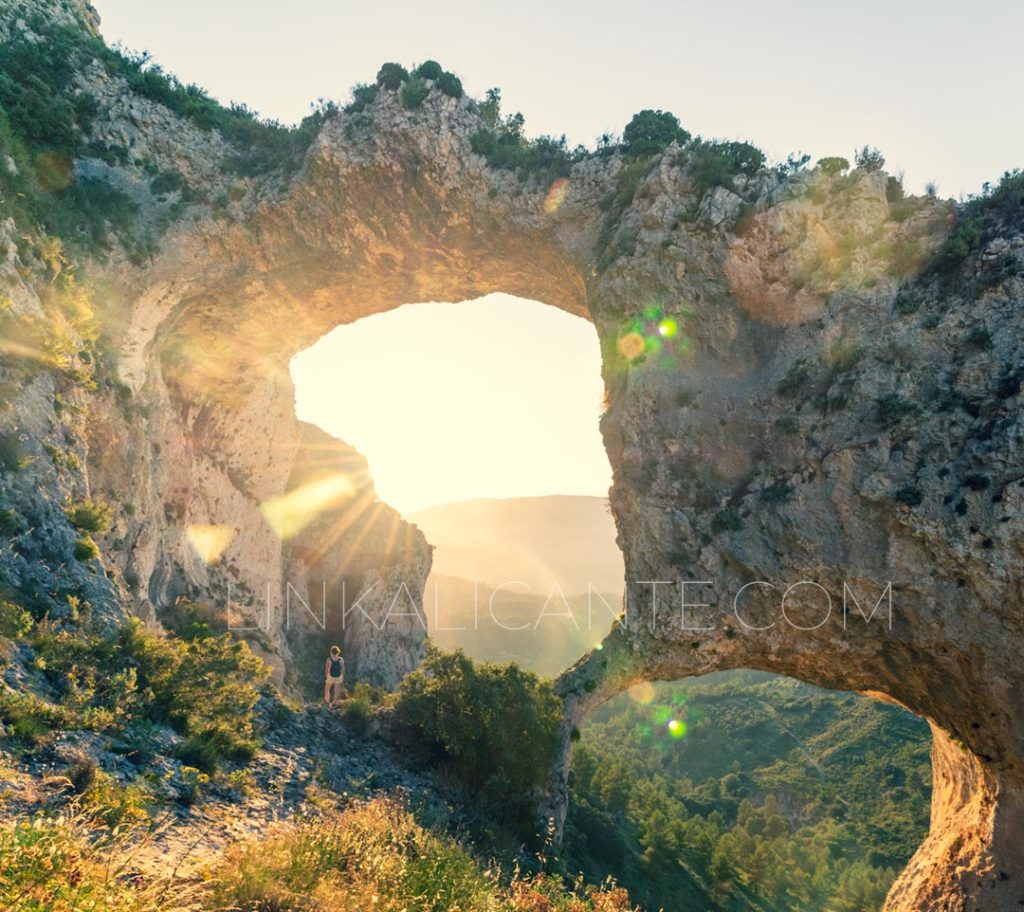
(774, 794)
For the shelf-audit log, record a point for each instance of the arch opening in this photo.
(478, 423)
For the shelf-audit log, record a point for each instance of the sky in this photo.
(934, 84)
(497, 397)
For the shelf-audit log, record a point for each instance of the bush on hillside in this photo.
(869, 159)
(995, 209)
(651, 132)
(413, 92)
(85, 549)
(391, 76)
(494, 726)
(362, 96)
(11, 457)
(715, 163)
(205, 686)
(90, 516)
(15, 621)
(833, 164)
(429, 69)
(450, 84)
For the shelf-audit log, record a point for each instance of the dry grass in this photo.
(371, 856)
(69, 863)
(374, 855)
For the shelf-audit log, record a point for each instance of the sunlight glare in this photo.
(290, 513)
(497, 397)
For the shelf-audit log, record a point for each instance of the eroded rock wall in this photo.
(789, 401)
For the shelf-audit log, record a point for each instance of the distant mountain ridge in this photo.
(563, 540)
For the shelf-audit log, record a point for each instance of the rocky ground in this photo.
(310, 762)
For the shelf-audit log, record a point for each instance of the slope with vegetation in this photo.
(179, 718)
(770, 793)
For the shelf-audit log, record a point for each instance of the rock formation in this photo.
(788, 406)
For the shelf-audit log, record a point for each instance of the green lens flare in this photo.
(677, 728)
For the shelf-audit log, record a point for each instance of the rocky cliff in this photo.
(796, 396)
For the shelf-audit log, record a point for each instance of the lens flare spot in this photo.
(54, 170)
(556, 195)
(209, 542)
(668, 328)
(642, 693)
(17, 350)
(631, 345)
(290, 513)
(677, 728)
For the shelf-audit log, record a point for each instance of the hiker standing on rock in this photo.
(334, 676)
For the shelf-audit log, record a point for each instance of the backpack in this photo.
(336, 667)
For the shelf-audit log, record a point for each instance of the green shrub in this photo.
(450, 85)
(211, 746)
(907, 301)
(15, 621)
(391, 76)
(891, 409)
(81, 774)
(910, 495)
(205, 687)
(980, 338)
(495, 726)
(170, 181)
(90, 516)
(8, 521)
(976, 482)
(869, 159)
(544, 158)
(995, 209)
(490, 109)
(833, 164)
(11, 458)
(35, 92)
(30, 720)
(650, 132)
(715, 163)
(362, 96)
(193, 620)
(504, 146)
(727, 520)
(357, 713)
(795, 381)
(111, 804)
(85, 549)
(190, 784)
(429, 69)
(777, 491)
(413, 93)
(44, 122)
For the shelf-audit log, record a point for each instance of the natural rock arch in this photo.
(770, 417)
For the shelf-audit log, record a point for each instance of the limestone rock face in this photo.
(357, 570)
(824, 446)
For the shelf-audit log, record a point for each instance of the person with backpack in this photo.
(334, 675)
